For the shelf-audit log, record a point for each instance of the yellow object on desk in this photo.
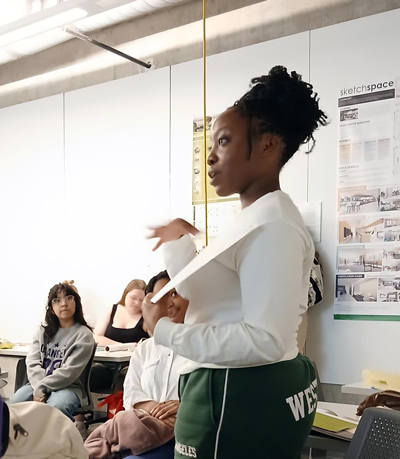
(331, 422)
(7, 345)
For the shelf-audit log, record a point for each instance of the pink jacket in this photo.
(134, 430)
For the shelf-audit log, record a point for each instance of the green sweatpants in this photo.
(261, 412)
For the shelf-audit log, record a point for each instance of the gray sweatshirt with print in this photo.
(60, 363)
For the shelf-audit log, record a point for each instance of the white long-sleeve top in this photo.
(152, 374)
(247, 295)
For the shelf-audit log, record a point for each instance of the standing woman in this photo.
(245, 390)
(59, 354)
(122, 323)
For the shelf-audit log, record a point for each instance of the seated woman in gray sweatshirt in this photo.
(59, 353)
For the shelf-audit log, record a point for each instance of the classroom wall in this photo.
(82, 176)
(111, 159)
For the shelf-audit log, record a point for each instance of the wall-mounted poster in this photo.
(368, 209)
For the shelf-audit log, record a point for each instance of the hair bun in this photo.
(68, 282)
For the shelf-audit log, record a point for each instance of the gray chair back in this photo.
(377, 436)
(85, 378)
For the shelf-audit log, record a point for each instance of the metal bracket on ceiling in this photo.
(83, 37)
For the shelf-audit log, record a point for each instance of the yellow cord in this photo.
(205, 125)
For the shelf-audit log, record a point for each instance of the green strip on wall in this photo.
(362, 317)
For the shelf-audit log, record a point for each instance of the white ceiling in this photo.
(30, 26)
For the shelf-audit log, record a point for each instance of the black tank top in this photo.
(125, 335)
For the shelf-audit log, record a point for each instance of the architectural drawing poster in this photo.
(367, 283)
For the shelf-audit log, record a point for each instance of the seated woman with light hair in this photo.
(122, 323)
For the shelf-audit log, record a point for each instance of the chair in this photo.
(377, 436)
(88, 408)
(21, 375)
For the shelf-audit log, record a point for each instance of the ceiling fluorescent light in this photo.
(39, 42)
(59, 20)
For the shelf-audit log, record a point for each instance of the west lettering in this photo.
(310, 404)
(296, 404)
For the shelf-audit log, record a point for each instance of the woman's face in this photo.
(133, 301)
(235, 165)
(177, 307)
(64, 306)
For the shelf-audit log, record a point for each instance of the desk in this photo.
(359, 388)
(100, 356)
(321, 443)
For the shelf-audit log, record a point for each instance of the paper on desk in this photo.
(327, 420)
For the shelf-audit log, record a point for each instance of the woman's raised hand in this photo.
(173, 231)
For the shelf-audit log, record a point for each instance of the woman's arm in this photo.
(76, 358)
(134, 395)
(269, 263)
(100, 330)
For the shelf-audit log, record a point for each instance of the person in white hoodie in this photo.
(244, 389)
(150, 394)
(33, 430)
(59, 354)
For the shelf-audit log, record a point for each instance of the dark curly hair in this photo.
(153, 280)
(284, 105)
(52, 324)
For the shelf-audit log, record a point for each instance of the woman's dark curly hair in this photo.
(284, 105)
(52, 324)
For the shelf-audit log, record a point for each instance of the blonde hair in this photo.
(138, 284)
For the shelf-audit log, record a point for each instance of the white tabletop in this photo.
(100, 356)
(359, 388)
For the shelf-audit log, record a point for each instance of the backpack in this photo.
(34, 430)
(316, 288)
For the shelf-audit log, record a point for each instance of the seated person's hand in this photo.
(173, 231)
(145, 406)
(170, 422)
(166, 412)
(40, 399)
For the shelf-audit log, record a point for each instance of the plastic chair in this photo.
(377, 435)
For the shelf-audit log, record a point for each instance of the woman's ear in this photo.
(270, 144)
